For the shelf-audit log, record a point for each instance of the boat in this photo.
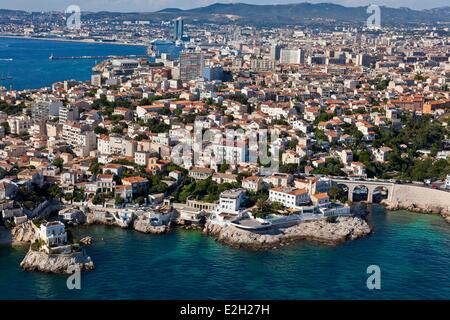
(7, 59)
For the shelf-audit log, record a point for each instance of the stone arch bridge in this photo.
(371, 186)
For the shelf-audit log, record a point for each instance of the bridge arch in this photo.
(374, 190)
(360, 193)
(380, 193)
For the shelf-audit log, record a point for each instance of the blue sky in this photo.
(153, 5)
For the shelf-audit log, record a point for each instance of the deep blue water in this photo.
(412, 251)
(167, 47)
(31, 67)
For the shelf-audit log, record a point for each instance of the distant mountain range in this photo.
(278, 14)
(307, 12)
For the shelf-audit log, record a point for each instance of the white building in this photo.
(232, 154)
(447, 182)
(43, 110)
(53, 233)
(382, 154)
(231, 201)
(68, 112)
(289, 197)
(141, 158)
(292, 56)
(19, 124)
(116, 144)
(78, 136)
(252, 183)
(278, 110)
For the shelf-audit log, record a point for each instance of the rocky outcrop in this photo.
(105, 218)
(86, 241)
(345, 228)
(418, 208)
(25, 232)
(142, 225)
(56, 263)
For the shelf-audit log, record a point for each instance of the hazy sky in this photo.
(154, 5)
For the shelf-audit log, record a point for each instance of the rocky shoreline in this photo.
(142, 225)
(102, 218)
(25, 232)
(417, 208)
(345, 228)
(56, 263)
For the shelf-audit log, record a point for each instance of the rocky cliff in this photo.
(60, 263)
(345, 228)
(25, 232)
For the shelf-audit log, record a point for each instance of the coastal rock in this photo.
(105, 218)
(345, 228)
(86, 241)
(417, 208)
(25, 232)
(143, 225)
(55, 263)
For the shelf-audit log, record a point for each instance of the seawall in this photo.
(420, 199)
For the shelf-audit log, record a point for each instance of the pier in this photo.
(52, 57)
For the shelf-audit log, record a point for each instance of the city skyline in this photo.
(152, 5)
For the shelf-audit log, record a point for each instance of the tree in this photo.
(78, 194)
(139, 200)
(98, 199)
(11, 109)
(6, 126)
(55, 191)
(224, 167)
(156, 126)
(118, 200)
(383, 84)
(59, 163)
(100, 130)
(292, 145)
(276, 206)
(117, 130)
(94, 168)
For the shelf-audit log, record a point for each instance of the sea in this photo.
(412, 251)
(25, 63)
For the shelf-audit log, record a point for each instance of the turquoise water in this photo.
(31, 68)
(412, 251)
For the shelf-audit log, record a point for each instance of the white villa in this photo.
(231, 201)
(289, 197)
(53, 233)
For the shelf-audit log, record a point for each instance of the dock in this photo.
(52, 57)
